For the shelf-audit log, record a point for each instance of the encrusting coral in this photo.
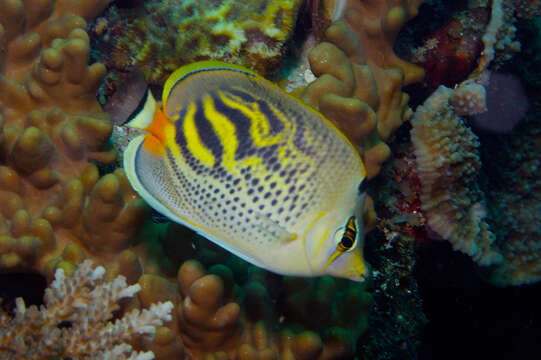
(250, 33)
(52, 129)
(449, 54)
(87, 302)
(487, 209)
(495, 224)
(448, 164)
(360, 78)
(516, 201)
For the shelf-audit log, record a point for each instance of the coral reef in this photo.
(397, 319)
(86, 302)
(59, 211)
(449, 54)
(485, 205)
(529, 59)
(506, 104)
(500, 38)
(398, 203)
(360, 78)
(514, 201)
(377, 24)
(249, 33)
(229, 309)
(468, 42)
(448, 162)
(222, 304)
(527, 9)
(52, 133)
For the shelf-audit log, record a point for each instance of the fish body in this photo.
(251, 168)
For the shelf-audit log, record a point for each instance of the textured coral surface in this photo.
(450, 53)
(52, 133)
(249, 33)
(377, 24)
(360, 78)
(229, 309)
(86, 302)
(448, 164)
(60, 211)
(481, 192)
(514, 197)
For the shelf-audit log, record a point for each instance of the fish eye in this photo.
(346, 243)
(346, 236)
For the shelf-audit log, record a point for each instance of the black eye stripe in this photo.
(347, 242)
(363, 186)
(350, 233)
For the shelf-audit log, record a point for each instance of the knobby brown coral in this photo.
(218, 319)
(52, 130)
(360, 78)
(87, 302)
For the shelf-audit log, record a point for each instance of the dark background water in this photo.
(470, 319)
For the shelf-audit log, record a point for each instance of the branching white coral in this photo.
(84, 302)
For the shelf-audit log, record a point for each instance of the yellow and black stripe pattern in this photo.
(241, 160)
(243, 156)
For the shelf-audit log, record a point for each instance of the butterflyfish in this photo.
(251, 168)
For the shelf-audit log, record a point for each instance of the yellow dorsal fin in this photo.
(184, 71)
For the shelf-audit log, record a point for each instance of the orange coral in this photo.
(204, 319)
(377, 23)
